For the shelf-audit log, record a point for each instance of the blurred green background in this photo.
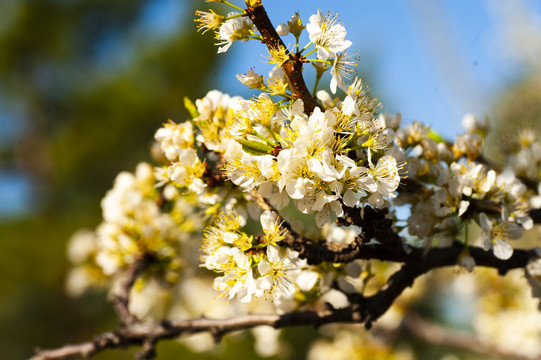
(83, 86)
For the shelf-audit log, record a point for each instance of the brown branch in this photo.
(363, 310)
(137, 333)
(438, 335)
(316, 253)
(120, 300)
(535, 214)
(293, 67)
(376, 305)
(376, 227)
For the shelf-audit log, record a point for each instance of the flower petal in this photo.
(502, 249)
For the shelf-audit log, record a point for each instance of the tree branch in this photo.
(293, 67)
(137, 333)
(535, 214)
(120, 300)
(441, 336)
(363, 310)
(376, 226)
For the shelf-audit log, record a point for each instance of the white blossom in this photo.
(238, 280)
(343, 68)
(234, 29)
(274, 271)
(328, 37)
(386, 176)
(251, 79)
(473, 124)
(282, 29)
(496, 234)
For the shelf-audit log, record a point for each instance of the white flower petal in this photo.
(350, 199)
(502, 249)
(263, 267)
(514, 231)
(307, 279)
(323, 217)
(268, 219)
(273, 255)
(486, 223)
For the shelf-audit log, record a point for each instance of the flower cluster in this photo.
(320, 161)
(524, 154)
(176, 141)
(459, 186)
(138, 220)
(342, 153)
(251, 267)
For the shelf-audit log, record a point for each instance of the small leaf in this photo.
(436, 137)
(255, 148)
(190, 106)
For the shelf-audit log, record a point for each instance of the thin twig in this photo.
(441, 336)
(120, 300)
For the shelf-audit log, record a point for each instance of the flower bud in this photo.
(282, 29)
(295, 25)
(473, 124)
(251, 79)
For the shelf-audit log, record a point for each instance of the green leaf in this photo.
(436, 137)
(255, 148)
(190, 106)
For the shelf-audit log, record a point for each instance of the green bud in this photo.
(190, 106)
(255, 148)
(436, 137)
(295, 25)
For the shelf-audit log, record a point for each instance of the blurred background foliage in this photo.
(83, 86)
(517, 108)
